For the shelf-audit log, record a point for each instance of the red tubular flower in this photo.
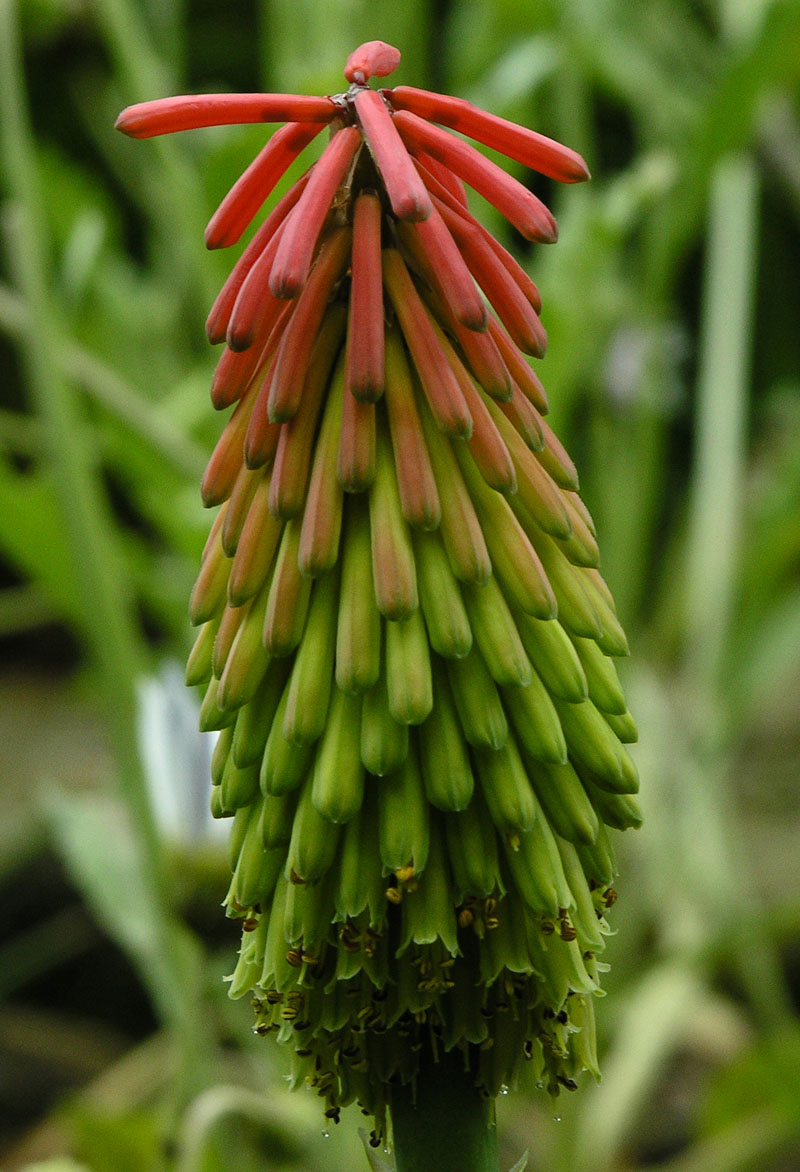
(527, 147)
(404, 637)
(527, 213)
(247, 195)
(365, 362)
(166, 115)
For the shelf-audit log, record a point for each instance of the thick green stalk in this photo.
(442, 1124)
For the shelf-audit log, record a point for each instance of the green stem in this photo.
(715, 529)
(723, 380)
(442, 1124)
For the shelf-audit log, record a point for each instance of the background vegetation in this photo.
(672, 303)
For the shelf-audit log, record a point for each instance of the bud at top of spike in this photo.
(372, 59)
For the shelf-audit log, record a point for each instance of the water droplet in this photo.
(556, 1119)
(503, 1089)
(326, 1135)
(386, 1151)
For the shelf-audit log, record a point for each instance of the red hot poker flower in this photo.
(404, 639)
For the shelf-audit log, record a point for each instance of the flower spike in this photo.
(404, 639)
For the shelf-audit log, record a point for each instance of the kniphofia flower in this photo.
(404, 637)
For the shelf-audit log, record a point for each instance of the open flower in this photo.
(403, 634)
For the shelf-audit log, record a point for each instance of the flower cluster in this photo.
(404, 637)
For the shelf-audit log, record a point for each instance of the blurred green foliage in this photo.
(672, 304)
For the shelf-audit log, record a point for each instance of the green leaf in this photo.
(112, 1142)
(765, 1076)
(93, 833)
(32, 537)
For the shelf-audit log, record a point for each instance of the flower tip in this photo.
(212, 239)
(126, 121)
(546, 227)
(577, 172)
(372, 59)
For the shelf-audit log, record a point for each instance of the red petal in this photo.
(355, 468)
(440, 192)
(406, 191)
(226, 459)
(190, 111)
(253, 187)
(443, 177)
(482, 355)
(517, 142)
(520, 206)
(419, 496)
(233, 375)
(255, 309)
(305, 224)
(236, 370)
(487, 446)
(262, 437)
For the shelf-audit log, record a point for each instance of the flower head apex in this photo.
(400, 127)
